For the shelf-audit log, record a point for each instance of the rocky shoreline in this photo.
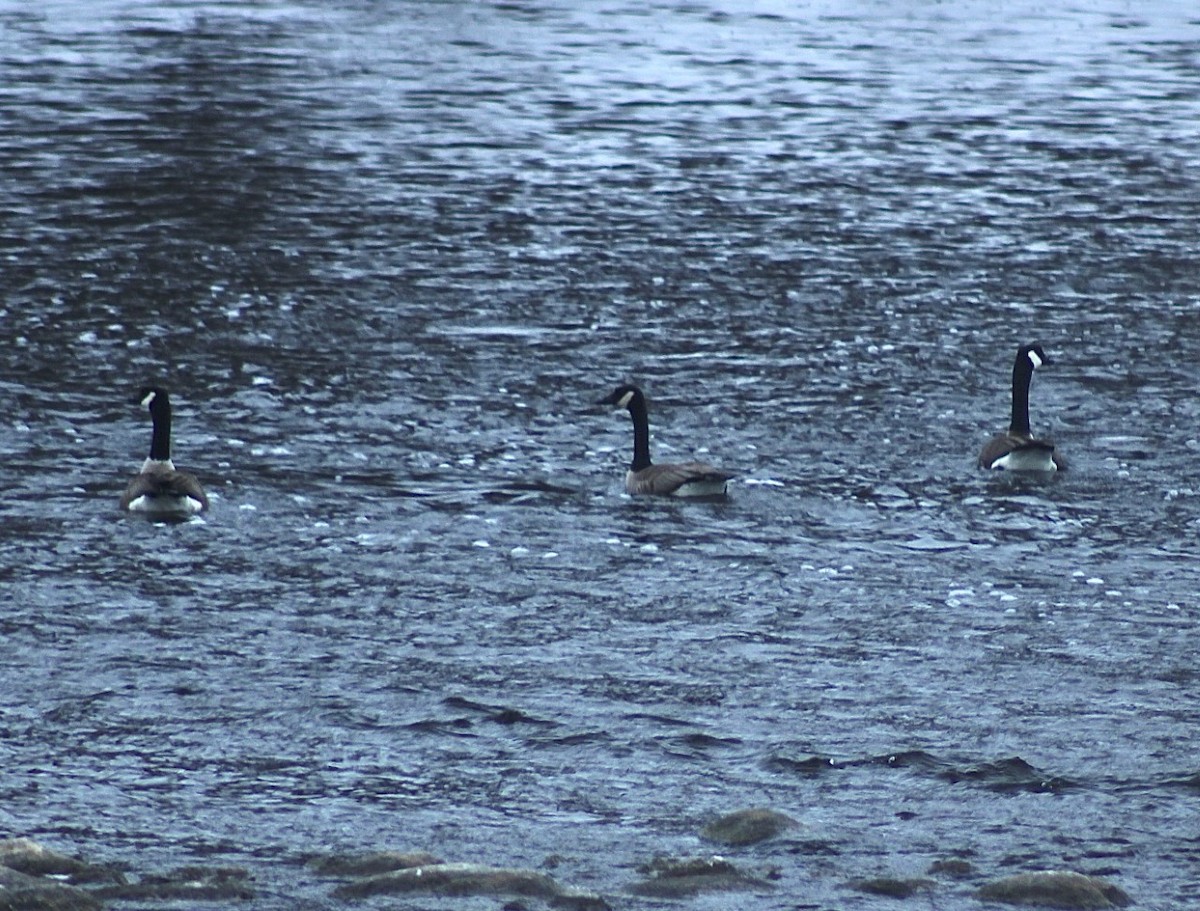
(34, 877)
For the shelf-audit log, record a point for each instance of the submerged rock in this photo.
(455, 879)
(369, 864)
(673, 878)
(747, 827)
(1056, 889)
(207, 884)
(22, 892)
(954, 866)
(892, 887)
(28, 856)
(571, 900)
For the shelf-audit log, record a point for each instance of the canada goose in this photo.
(159, 489)
(1017, 450)
(687, 479)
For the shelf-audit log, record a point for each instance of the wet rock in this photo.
(571, 900)
(369, 864)
(568, 901)
(893, 888)
(953, 867)
(27, 856)
(688, 866)
(684, 878)
(747, 827)
(1056, 889)
(22, 892)
(455, 879)
(208, 884)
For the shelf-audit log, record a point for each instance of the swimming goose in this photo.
(687, 479)
(1017, 450)
(160, 489)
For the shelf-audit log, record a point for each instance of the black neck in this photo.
(1022, 376)
(160, 442)
(641, 433)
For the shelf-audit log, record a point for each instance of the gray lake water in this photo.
(387, 255)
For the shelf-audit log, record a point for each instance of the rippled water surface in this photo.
(387, 255)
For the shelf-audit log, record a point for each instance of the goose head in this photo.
(622, 396)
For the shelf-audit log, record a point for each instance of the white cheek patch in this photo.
(625, 400)
(148, 399)
(1034, 359)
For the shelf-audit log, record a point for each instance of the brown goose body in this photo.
(160, 489)
(684, 479)
(1018, 452)
(679, 479)
(1017, 449)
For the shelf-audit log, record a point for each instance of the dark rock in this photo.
(27, 856)
(893, 888)
(208, 884)
(1056, 889)
(369, 864)
(454, 879)
(670, 867)
(22, 892)
(747, 827)
(579, 901)
(672, 878)
(952, 867)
